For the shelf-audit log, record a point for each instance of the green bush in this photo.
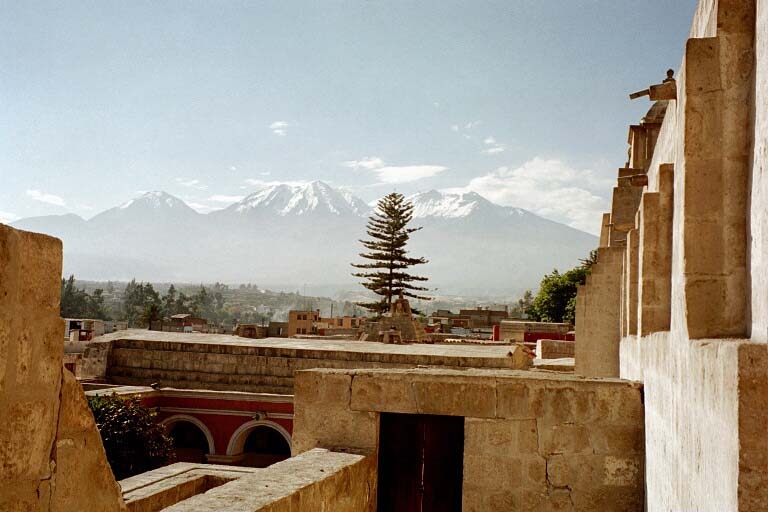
(134, 442)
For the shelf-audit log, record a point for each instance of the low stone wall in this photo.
(316, 481)
(168, 485)
(555, 349)
(533, 440)
(230, 363)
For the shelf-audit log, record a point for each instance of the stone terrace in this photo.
(221, 362)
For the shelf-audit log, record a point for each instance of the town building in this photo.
(302, 322)
(251, 331)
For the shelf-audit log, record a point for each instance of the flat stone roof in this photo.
(317, 345)
(407, 375)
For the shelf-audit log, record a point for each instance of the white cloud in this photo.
(408, 173)
(492, 147)
(393, 173)
(265, 173)
(196, 184)
(549, 188)
(8, 217)
(454, 128)
(368, 162)
(44, 197)
(280, 128)
(472, 124)
(221, 198)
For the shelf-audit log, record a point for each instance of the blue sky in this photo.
(522, 101)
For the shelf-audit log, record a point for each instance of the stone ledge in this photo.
(315, 480)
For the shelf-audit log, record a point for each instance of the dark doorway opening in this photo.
(264, 446)
(421, 463)
(189, 442)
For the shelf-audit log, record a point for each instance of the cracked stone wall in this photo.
(532, 440)
(51, 457)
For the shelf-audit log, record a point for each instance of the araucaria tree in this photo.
(386, 274)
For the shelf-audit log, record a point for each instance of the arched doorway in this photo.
(260, 444)
(192, 441)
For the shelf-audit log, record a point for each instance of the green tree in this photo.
(522, 305)
(136, 298)
(151, 313)
(387, 274)
(77, 303)
(133, 441)
(202, 304)
(95, 305)
(169, 301)
(556, 300)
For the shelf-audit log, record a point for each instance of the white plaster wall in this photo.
(691, 420)
(705, 19)
(691, 387)
(759, 183)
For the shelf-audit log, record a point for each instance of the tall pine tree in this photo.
(387, 274)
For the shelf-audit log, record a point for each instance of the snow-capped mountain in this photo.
(298, 199)
(460, 204)
(151, 207)
(155, 200)
(309, 233)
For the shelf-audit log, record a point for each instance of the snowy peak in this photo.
(154, 206)
(286, 199)
(156, 200)
(449, 205)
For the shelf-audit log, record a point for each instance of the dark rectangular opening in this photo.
(421, 463)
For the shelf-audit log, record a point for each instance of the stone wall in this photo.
(51, 457)
(555, 349)
(533, 441)
(315, 481)
(598, 314)
(221, 362)
(698, 344)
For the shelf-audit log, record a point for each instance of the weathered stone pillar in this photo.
(598, 319)
(51, 457)
(717, 142)
(655, 256)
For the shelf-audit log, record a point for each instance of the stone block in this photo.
(80, 457)
(459, 396)
(564, 439)
(500, 437)
(328, 388)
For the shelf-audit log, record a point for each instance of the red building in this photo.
(221, 427)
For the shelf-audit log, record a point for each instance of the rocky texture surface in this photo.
(223, 362)
(316, 481)
(51, 457)
(533, 440)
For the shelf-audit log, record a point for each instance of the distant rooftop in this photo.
(281, 344)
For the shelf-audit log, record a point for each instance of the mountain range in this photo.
(289, 235)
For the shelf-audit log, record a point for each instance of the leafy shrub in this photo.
(134, 442)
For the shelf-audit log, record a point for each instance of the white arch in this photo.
(196, 422)
(237, 441)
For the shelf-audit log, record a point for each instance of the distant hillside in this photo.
(291, 235)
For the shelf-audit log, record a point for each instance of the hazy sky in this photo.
(524, 101)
